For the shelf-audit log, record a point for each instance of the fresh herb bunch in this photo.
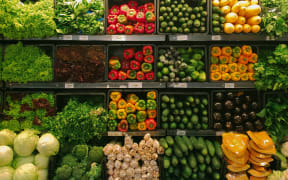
(271, 71)
(26, 63)
(18, 20)
(78, 122)
(83, 16)
(24, 111)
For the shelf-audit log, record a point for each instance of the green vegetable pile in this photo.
(181, 64)
(29, 20)
(274, 17)
(184, 112)
(26, 63)
(191, 158)
(271, 71)
(83, 17)
(83, 162)
(78, 122)
(25, 111)
(183, 16)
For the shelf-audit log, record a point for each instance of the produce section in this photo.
(94, 89)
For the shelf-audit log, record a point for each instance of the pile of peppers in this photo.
(131, 112)
(131, 18)
(137, 64)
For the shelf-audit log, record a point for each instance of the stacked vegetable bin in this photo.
(150, 66)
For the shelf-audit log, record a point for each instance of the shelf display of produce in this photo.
(154, 89)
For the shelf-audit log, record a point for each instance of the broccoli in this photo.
(69, 160)
(95, 172)
(79, 170)
(80, 151)
(96, 154)
(63, 172)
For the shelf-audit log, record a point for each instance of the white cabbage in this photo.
(25, 142)
(6, 155)
(41, 161)
(48, 145)
(6, 173)
(26, 172)
(20, 160)
(7, 137)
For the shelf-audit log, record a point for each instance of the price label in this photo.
(108, 86)
(182, 38)
(118, 38)
(216, 37)
(69, 85)
(219, 133)
(114, 133)
(181, 133)
(83, 38)
(123, 86)
(135, 85)
(67, 37)
(229, 85)
(180, 85)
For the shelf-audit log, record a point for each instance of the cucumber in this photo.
(207, 160)
(200, 158)
(216, 163)
(170, 140)
(163, 143)
(211, 148)
(192, 161)
(218, 149)
(181, 144)
(166, 162)
(168, 151)
(202, 167)
(174, 161)
(200, 143)
(183, 161)
(188, 143)
(216, 175)
(177, 151)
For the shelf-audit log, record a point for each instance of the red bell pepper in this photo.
(123, 126)
(140, 17)
(125, 64)
(128, 53)
(150, 16)
(120, 28)
(149, 28)
(113, 74)
(132, 4)
(123, 9)
(149, 7)
(122, 19)
(150, 124)
(122, 75)
(129, 29)
(131, 74)
(111, 29)
(114, 10)
(131, 14)
(140, 75)
(149, 59)
(139, 28)
(141, 9)
(139, 56)
(149, 76)
(134, 65)
(147, 50)
(112, 19)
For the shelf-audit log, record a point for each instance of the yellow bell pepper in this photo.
(113, 105)
(214, 68)
(242, 68)
(244, 77)
(115, 96)
(232, 67)
(132, 98)
(130, 108)
(122, 104)
(121, 114)
(235, 76)
(226, 77)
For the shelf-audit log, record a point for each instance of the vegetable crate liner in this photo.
(205, 61)
(192, 4)
(48, 49)
(117, 50)
(141, 93)
(184, 95)
(254, 96)
(254, 50)
(110, 3)
(80, 63)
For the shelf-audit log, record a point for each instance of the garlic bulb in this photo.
(147, 136)
(153, 163)
(154, 156)
(124, 165)
(120, 156)
(122, 173)
(117, 164)
(108, 149)
(110, 172)
(116, 148)
(112, 157)
(110, 164)
(138, 170)
(130, 172)
(127, 158)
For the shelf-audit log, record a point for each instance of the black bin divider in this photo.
(117, 50)
(136, 91)
(255, 49)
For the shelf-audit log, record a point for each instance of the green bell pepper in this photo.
(151, 104)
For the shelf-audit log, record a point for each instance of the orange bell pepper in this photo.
(250, 68)
(235, 143)
(152, 113)
(132, 98)
(232, 67)
(243, 59)
(223, 59)
(216, 51)
(223, 68)
(214, 68)
(251, 76)
(215, 76)
(151, 95)
(226, 77)
(235, 76)
(115, 96)
(232, 60)
(242, 68)
(226, 51)
(253, 58)
(122, 104)
(113, 105)
(130, 108)
(244, 77)
(141, 126)
(246, 50)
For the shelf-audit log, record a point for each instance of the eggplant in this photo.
(228, 105)
(247, 99)
(244, 116)
(218, 106)
(228, 125)
(217, 116)
(244, 107)
(218, 126)
(237, 119)
(228, 116)
(259, 124)
(254, 105)
(237, 100)
(230, 96)
(237, 110)
(219, 96)
(239, 128)
(252, 115)
(249, 126)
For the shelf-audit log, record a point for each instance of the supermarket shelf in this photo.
(212, 85)
(159, 132)
(179, 132)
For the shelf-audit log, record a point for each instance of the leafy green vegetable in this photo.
(26, 63)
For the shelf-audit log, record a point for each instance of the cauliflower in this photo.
(63, 172)
(284, 149)
(96, 154)
(80, 151)
(69, 160)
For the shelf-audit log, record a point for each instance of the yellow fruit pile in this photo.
(240, 16)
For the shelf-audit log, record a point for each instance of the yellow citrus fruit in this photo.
(232, 2)
(242, 11)
(254, 2)
(254, 20)
(238, 28)
(244, 3)
(255, 28)
(225, 9)
(241, 20)
(228, 28)
(224, 3)
(216, 3)
(236, 7)
(246, 28)
(253, 10)
(231, 17)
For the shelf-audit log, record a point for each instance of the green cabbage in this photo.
(41, 161)
(26, 172)
(25, 142)
(6, 155)
(48, 145)
(6, 173)
(7, 137)
(19, 160)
